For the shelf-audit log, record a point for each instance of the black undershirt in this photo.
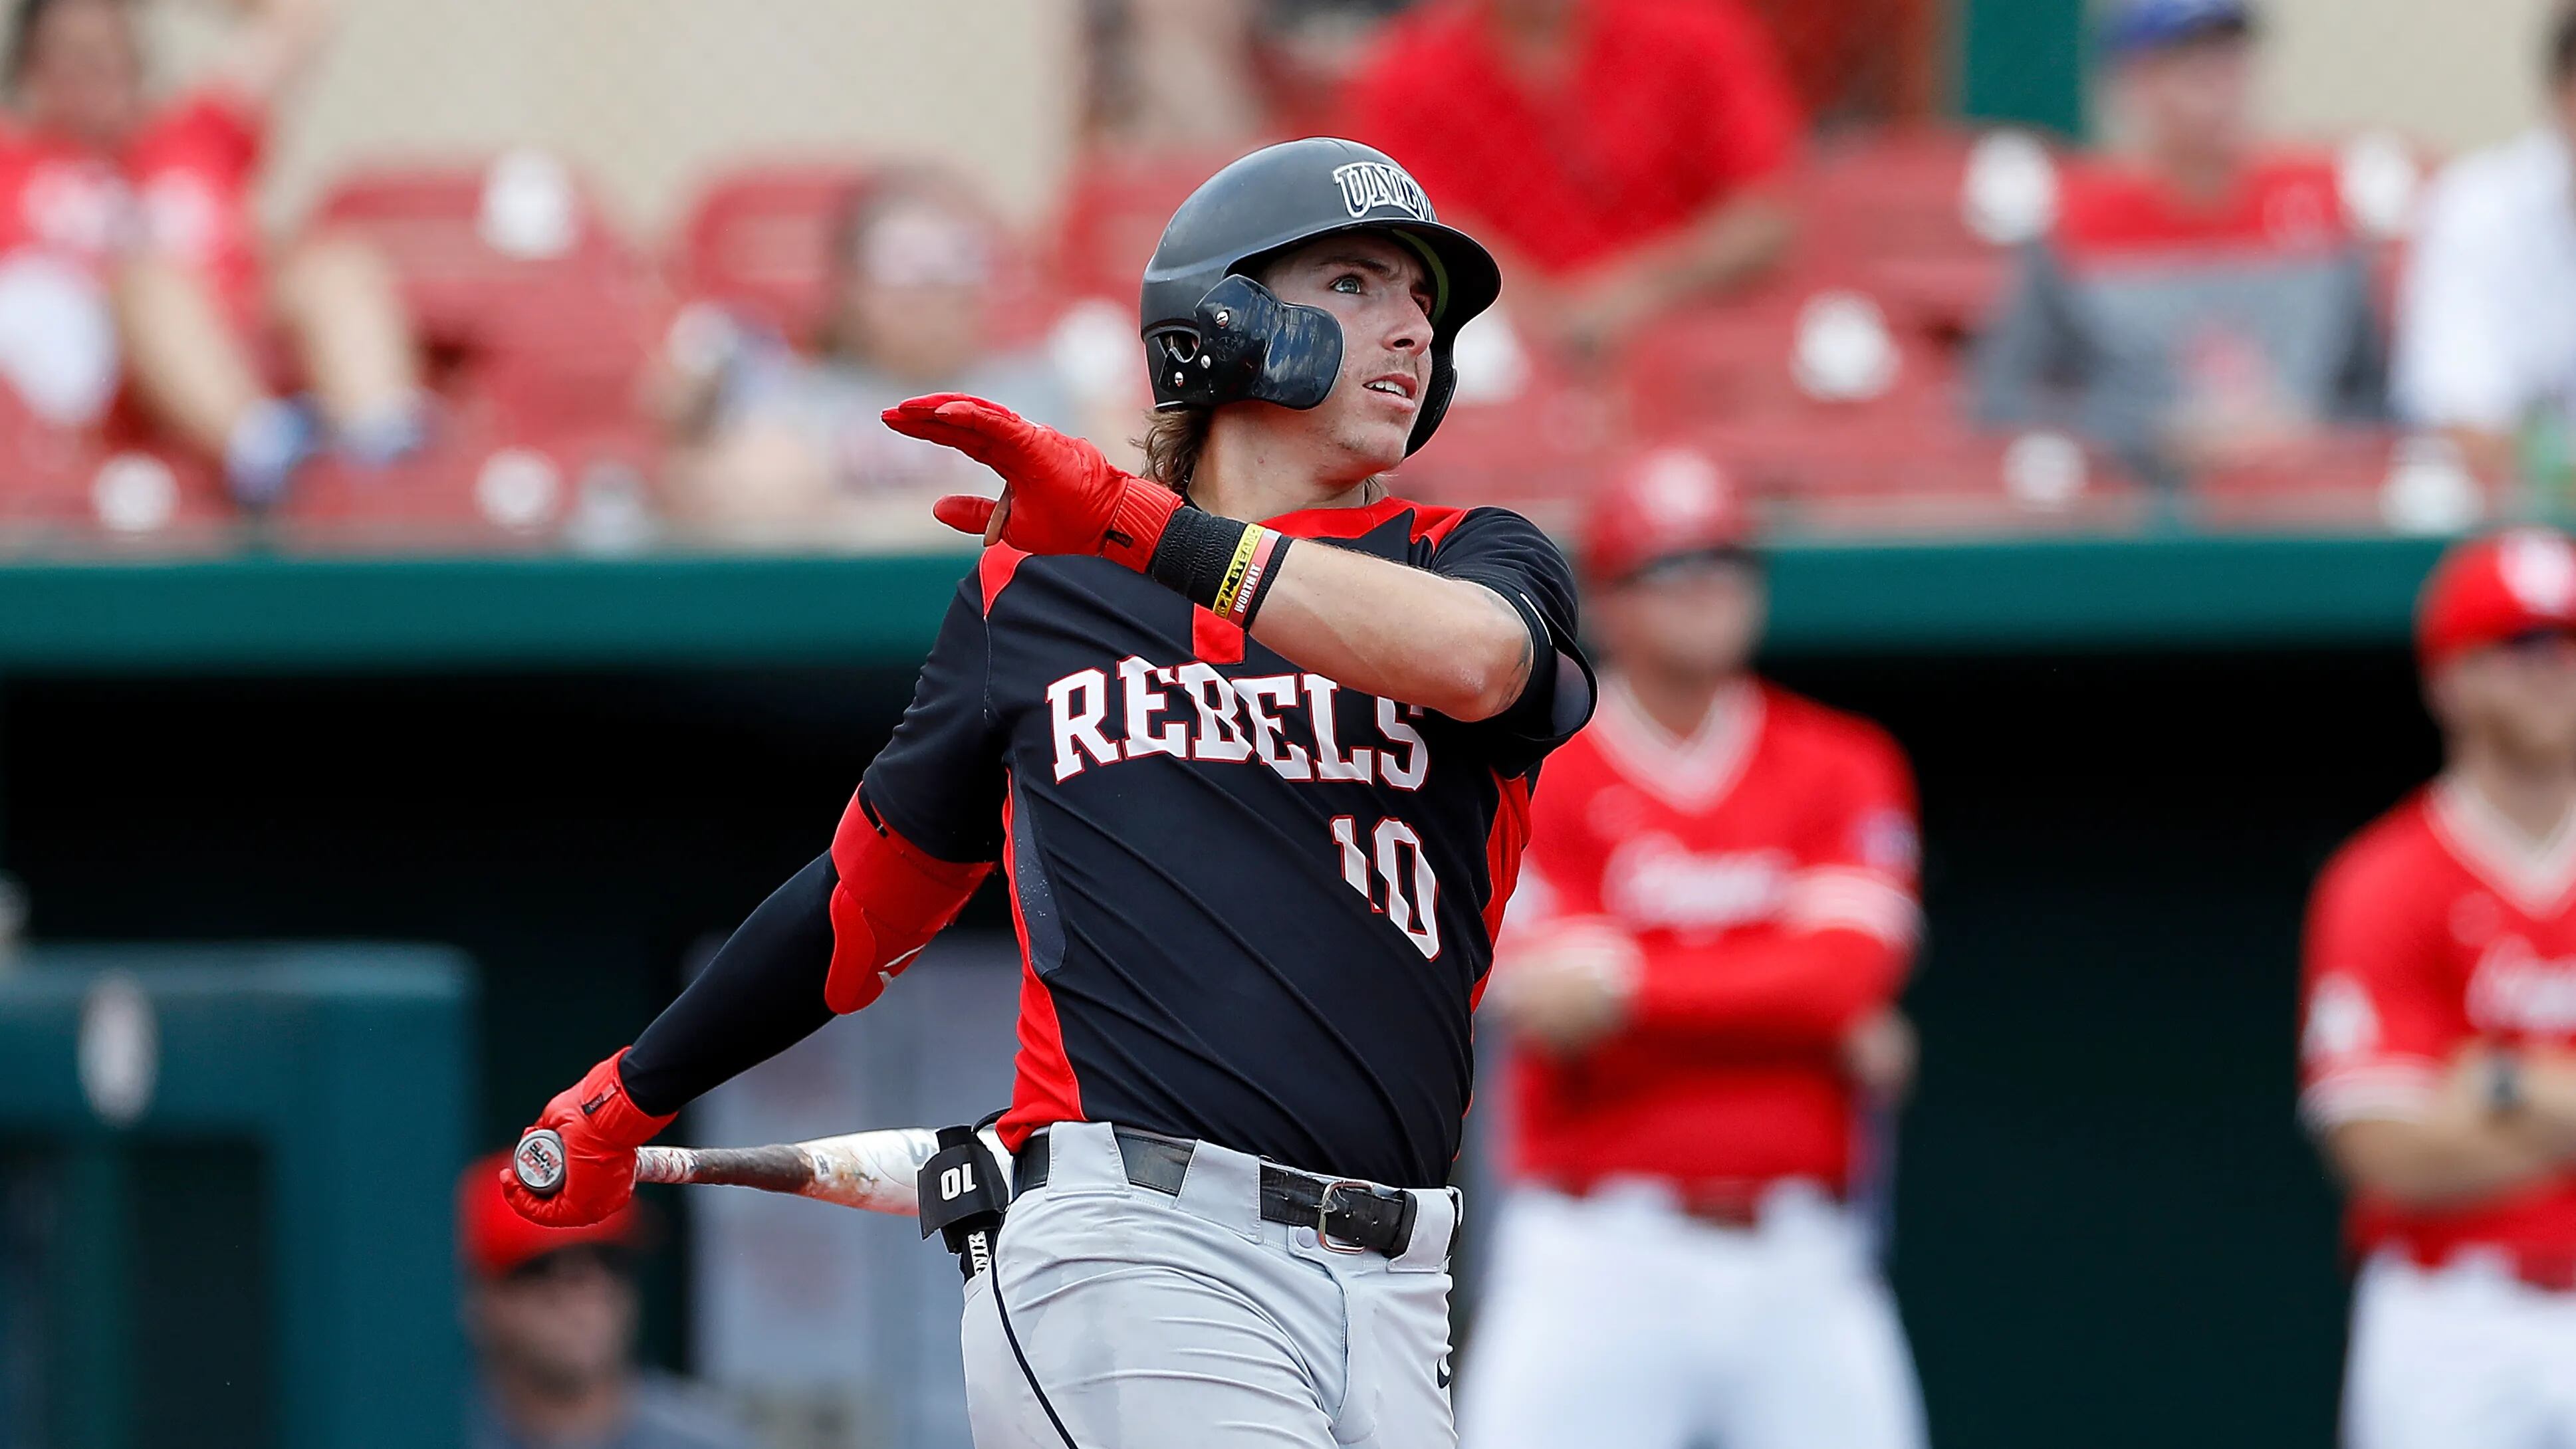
(762, 994)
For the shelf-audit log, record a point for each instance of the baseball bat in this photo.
(871, 1171)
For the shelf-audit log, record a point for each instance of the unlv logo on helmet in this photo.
(1368, 185)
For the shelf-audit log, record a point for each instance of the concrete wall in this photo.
(2456, 73)
(645, 95)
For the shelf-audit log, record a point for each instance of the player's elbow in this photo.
(1482, 681)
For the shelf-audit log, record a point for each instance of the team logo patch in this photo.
(1374, 185)
(2540, 570)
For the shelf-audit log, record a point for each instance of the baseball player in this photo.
(2439, 1048)
(1718, 911)
(1260, 791)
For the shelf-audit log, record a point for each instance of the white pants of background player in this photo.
(1157, 1322)
(2464, 1356)
(1616, 1319)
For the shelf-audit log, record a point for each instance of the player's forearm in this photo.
(1802, 988)
(760, 995)
(2456, 1157)
(1385, 629)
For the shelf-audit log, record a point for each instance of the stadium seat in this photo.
(1921, 216)
(1114, 208)
(2354, 478)
(1892, 474)
(507, 253)
(758, 241)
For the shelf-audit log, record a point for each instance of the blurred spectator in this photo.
(792, 441)
(552, 1314)
(1700, 970)
(1171, 74)
(159, 199)
(2486, 327)
(2198, 305)
(1621, 156)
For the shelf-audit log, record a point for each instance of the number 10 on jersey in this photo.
(1403, 889)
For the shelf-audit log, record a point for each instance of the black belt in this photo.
(1349, 1216)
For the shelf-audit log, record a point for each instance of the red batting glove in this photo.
(1059, 495)
(601, 1129)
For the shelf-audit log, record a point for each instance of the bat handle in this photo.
(539, 1162)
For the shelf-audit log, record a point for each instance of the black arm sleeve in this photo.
(938, 783)
(762, 994)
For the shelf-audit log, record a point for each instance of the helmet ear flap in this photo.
(1248, 346)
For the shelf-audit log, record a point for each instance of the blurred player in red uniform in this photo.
(158, 200)
(1720, 885)
(2439, 1052)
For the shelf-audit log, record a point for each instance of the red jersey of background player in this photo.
(2436, 928)
(1764, 871)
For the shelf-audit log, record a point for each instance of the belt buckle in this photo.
(1324, 1210)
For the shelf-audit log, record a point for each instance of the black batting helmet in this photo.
(1214, 335)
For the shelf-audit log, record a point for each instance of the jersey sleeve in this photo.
(2379, 1025)
(1858, 870)
(939, 782)
(1511, 556)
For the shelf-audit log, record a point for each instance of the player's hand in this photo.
(1059, 495)
(601, 1130)
(1568, 984)
(1880, 1052)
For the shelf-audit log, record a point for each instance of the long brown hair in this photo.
(1174, 438)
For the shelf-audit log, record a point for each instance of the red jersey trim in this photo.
(1043, 1088)
(1429, 521)
(1503, 847)
(995, 570)
(1212, 639)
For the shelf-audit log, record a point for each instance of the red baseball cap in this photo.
(493, 1239)
(2490, 589)
(1662, 502)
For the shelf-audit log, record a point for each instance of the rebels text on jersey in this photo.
(1255, 906)
(2439, 927)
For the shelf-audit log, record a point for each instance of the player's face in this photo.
(2518, 698)
(913, 291)
(567, 1320)
(2193, 99)
(1376, 288)
(81, 76)
(1697, 617)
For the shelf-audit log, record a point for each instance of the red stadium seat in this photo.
(1113, 213)
(1890, 210)
(2355, 478)
(759, 241)
(509, 254)
(1864, 470)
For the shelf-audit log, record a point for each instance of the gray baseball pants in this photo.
(1158, 1322)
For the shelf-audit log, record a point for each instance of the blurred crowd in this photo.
(1737, 224)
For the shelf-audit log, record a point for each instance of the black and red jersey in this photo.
(1255, 907)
